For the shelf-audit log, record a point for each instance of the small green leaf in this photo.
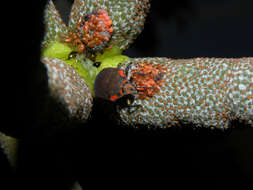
(57, 50)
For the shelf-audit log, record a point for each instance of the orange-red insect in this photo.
(112, 83)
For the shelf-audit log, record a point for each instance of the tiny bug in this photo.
(73, 54)
(96, 64)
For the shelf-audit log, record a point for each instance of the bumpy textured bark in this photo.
(128, 17)
(54, 25)
(69, 88)
(206, 92)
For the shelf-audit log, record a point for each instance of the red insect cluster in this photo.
(94, 31)
(74, 40)
(97, 30)
(148, 78)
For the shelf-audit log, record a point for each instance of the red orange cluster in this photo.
(94, 31)
(97, 29)
(148, 78)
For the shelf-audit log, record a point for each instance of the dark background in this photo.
(101, 154)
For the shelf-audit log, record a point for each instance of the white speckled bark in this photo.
(206, 92)
(69, 88)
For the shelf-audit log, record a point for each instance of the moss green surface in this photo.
(111, 58)
(57, 50)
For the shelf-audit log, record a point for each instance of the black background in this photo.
(101, 154)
